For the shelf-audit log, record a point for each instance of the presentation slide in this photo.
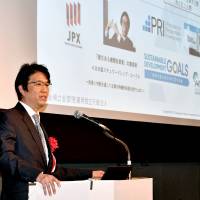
(127, 56)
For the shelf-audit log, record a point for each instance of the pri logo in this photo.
(154, 25)
(73, 20)
(73, 12)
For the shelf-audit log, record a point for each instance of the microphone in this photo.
(78, 115)
(107, 132)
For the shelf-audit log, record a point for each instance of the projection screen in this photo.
(132, 60)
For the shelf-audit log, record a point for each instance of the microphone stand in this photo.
(110, 134)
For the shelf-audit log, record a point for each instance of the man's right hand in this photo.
(48, 182)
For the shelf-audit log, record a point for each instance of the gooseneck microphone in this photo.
(106, 131)
(78, 115)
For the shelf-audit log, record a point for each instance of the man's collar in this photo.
(29, 110)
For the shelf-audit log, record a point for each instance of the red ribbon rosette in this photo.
(53, 144)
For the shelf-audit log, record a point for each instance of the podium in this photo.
(135, 189)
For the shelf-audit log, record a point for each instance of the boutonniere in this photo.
(53, 142)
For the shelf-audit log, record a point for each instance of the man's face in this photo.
(125, 26)
(37, 91)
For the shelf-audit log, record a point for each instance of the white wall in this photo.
(17, 43)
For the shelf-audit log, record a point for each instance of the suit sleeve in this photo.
(10, 162)
(70, 174)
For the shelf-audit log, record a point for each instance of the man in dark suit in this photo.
(24, 156)
(120, 40)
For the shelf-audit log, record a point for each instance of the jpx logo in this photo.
(73, 20)
(154, 25)
(73, 14)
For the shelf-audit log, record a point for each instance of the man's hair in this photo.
(125, 14)
(26, 70)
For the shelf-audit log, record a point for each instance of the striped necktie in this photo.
(41, 133)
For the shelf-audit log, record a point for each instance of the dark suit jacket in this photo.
(22, 157)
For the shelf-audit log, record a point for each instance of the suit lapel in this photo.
(32, 130)
(49, 149)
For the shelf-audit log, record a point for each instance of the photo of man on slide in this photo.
(119, 39)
